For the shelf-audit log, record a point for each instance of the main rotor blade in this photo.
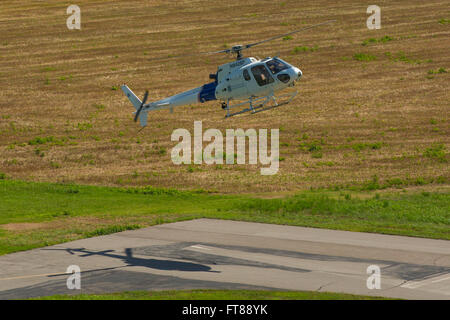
(286, 34)
(191, 55)
(243, 47)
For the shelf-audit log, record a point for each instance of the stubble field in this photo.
(372, 110)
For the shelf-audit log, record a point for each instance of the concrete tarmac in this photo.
(220, 254)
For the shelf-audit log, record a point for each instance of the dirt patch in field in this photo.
(19, 227)
(65, 223)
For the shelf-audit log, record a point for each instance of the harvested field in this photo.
(372, 109)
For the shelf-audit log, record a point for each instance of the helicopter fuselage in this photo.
(239, 80)
(250, 77)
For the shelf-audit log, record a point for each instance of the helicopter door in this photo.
(263, 81)
(248, 81)
(237, 86)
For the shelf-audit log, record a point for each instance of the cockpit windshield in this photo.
(276, 65)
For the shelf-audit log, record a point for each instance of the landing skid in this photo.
(261, 104)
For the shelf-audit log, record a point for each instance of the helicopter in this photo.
(251, 81)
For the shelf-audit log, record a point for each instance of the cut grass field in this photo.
(370, 103)
(213, 295)
(40, 214)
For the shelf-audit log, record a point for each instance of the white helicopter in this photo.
(251, 80)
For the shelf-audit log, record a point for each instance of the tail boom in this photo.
(193, 96)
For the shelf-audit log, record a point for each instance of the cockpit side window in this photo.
(276, 65)
(246, 75)
(262, 75)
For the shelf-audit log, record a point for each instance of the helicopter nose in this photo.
(298, 73)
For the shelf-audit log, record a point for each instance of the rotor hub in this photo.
(237, 49)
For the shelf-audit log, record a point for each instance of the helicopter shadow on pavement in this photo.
(130, 260)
